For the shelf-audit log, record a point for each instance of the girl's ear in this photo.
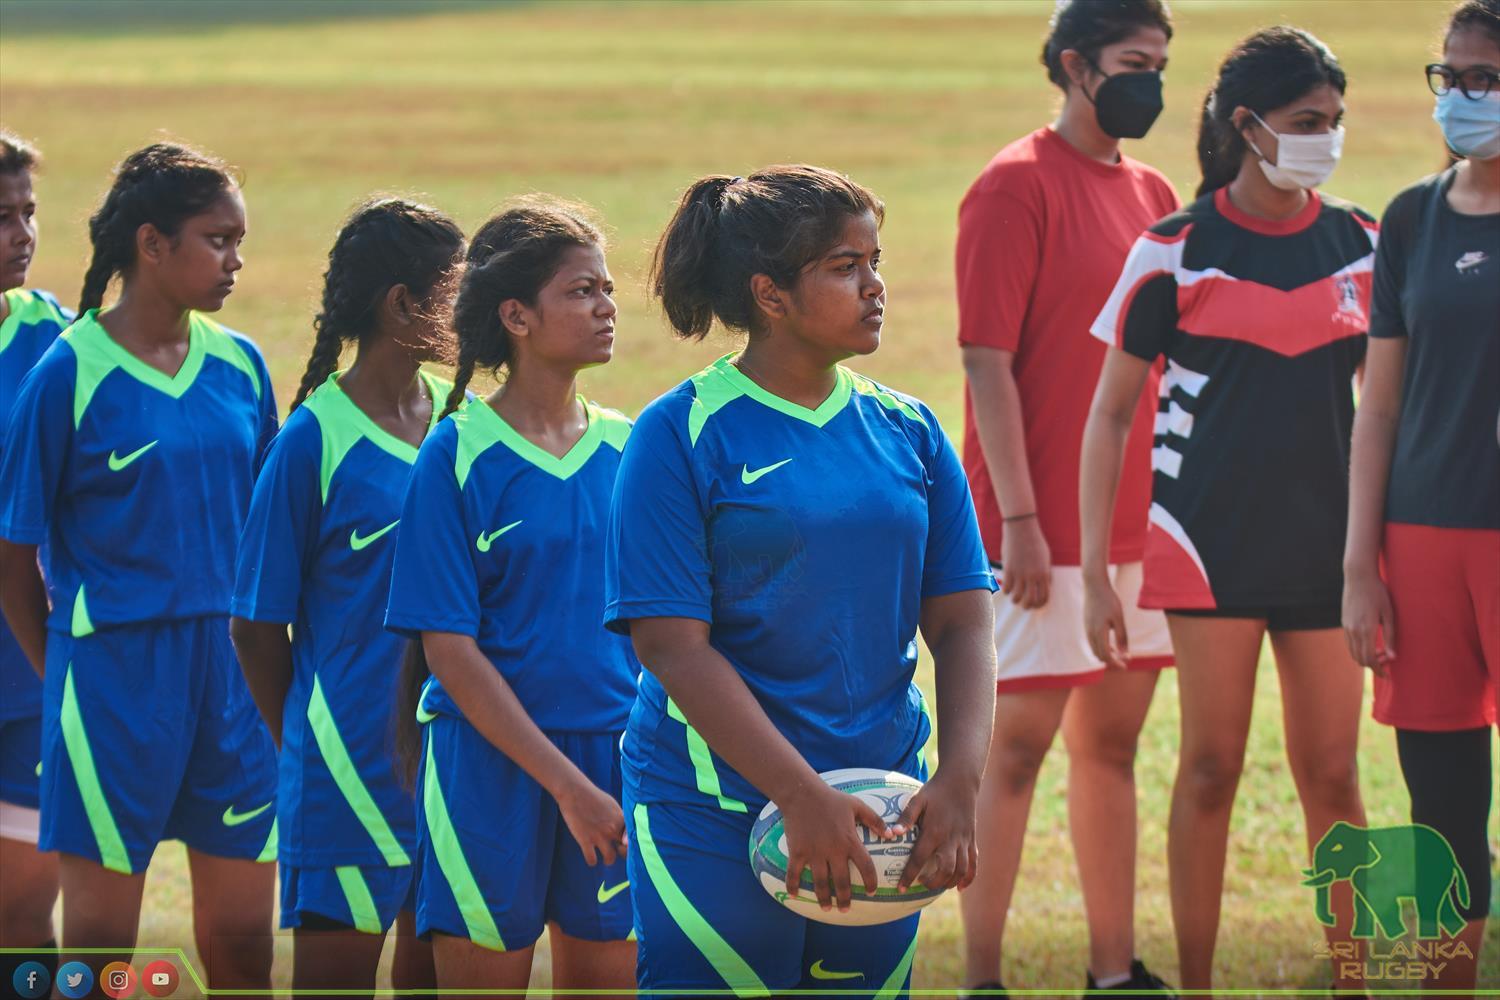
(398, 304)
(768, 298)
(513, 315)
(151, 244)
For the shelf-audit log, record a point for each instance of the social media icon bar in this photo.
(31, 980)
(75, 980)
(159, 979)
(117, 980)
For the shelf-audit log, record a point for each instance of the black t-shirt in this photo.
(1437, 283)
(1262, 325)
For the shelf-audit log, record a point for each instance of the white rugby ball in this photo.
(887, 793)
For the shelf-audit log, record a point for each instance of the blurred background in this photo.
(465, 104)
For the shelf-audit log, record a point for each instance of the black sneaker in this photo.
(1143, 983)
(986, 991)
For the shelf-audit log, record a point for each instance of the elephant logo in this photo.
(1385, 865)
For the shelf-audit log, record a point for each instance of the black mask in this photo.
(1127, 104)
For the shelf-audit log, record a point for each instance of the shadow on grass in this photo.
(111, 18)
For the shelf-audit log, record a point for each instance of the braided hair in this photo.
(385, 242)
(511, 257)
(162, 185)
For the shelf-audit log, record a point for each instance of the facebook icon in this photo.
(31, 979)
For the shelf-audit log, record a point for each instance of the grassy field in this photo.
(622, 106)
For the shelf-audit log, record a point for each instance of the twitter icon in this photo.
(75, 980)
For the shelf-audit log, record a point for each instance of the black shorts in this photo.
(1280, 618)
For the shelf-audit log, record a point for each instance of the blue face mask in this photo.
(1471, 128)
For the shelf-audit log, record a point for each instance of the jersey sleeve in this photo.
(955, 559)
(656, 552)
(268, 421)
(434, 584)
(1389, 284)
(35, 449)
(281, 531)
(1141, 313)
(999, 244)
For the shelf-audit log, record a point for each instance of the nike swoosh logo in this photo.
(818, 972)
(605, 895)
(747, 477)
(483, 542)
(232, 818)
(356, 543)
(116, 463)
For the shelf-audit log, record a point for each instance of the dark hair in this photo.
(511, 257)
(1476, 15)
(1088, 26)
(165, 185)
(1268, 70)
(16, 154)
(726, 229)
(386, 242)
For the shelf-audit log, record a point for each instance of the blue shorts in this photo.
(21, 761)
(703, 920)
(365, 897)
(497, 860)
(149, 734)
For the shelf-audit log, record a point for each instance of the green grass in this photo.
(622, 106)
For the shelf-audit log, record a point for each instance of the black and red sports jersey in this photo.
(1262, 325)
(1437, 283)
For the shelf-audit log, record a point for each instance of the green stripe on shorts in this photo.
(733, 969)
(454, 866)
(346, 776)
(892, 987)
(357, 894)
(112, 853)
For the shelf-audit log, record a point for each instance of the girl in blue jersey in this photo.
(780, 530)
(316, 555)
(30, 321)
(500, 574)
(130, 453)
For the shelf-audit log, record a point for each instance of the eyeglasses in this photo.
(1473, 82)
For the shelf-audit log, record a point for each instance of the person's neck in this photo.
(1078, 126)
(1252, 193)
(5, 304)
(383, 379)
(1477, 184)
(788, 370)
(537, 399)
(146, 319)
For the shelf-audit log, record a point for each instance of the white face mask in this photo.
(1304, 161)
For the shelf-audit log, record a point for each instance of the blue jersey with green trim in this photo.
(137, 481)
(32, 323)
(807, 539)
(504, 542)
(316, 554)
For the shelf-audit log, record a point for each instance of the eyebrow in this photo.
(851, 254)
(1136, 52)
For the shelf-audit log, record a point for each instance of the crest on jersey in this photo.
(1348, 294)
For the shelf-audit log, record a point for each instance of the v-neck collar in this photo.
(379, 436)
(563, 467)
(172, 385)
(825, 410)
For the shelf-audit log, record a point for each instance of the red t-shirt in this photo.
(1042, 236)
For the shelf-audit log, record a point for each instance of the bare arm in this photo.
(23, 600)
(820, 822)
(1367, 605)
(959, 629)
(1026, 561)
(491, 706)
(265, 654)
(1104, 437)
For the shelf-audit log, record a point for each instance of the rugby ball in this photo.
(887, 793)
